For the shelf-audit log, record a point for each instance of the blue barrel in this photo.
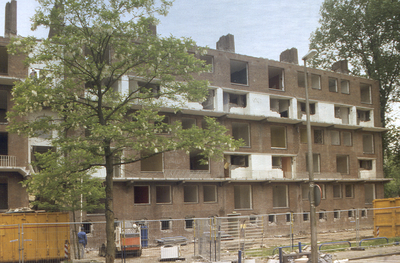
(144, 231)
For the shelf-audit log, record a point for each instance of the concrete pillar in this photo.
(290, 56)
(10, 25)
(226, 43)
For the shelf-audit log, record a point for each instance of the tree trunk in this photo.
(110, 247)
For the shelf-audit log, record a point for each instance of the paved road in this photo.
(387, 259)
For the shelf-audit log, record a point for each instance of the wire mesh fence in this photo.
(196, 239)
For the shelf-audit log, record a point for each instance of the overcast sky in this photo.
(262, 28)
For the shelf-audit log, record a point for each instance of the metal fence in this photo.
(194, 239)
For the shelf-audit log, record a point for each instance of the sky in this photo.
(262, 28)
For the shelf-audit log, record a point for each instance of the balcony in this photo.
(8, 161)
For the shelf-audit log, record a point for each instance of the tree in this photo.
(366, 33)
(92, 47)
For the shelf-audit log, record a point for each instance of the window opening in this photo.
(163, 194)
(316, 163)
(271, 218)
(288, 217)
(87, 227)
(210, 193)
(337, 191)
(278, 137)
(209, 60)
(3, 106)
(241, 131)
(364, 213)
(197, 162)
(239, 72)
(161, 127)
(189, 223)
(302, 111)
(306, 216)
(3, 193)
(3, 143)
(242, 196)
(350, 213)
(342, 164)
(322, 215)
(300, 79)
(349, 190)
(318, 136)
(345, 86)
(233, 100)
(336, 214)
(332, 85)
(369, 190)
(141, 194)
(315, 81)
(190, 194)
(276, 162)
(280, 196)
(363, 115)
(335, 137)
(208, 104)
(239, 161)
(165, 224)
(188, 123)
(368, 143)
(365, 164)
(280, 106)
(276, 78)
(347, 141)
(343, 114)
(365, 91)
(150, 89)
(253, 219)
(3, 60)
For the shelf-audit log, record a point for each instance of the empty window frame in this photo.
(322, 216)
(271, 219)
(87, 227)
(152, 164)
(141, 194)
(369, 191)
(209, 61)
(300, 79)
(188, 123)
(363, 116)
(280, 196)
(163, 194)
(276, 162)
(234, 100)
(342, 164)
(347, 139)
(239, 161)
(306, 216)
(303, 135)
(3, 106)
(302, 108)
(161, 127)
(335, 137)
(149, 89)
(208, 104)
(288, 217)
(318, 136)
(337, 191)
(316, 162)
(4, 144)
(278, 137)
(189, 223)
(3, 193)
(165, 224)
(3, 60)
(239, 72)
(351, 213)
(242, 196)
(336, 214)
(365, 93)
(209, 193)
(332, 82)
(315, 81)
(197, 162)
(276, 78)
(365, 164)
(190, 194)
(364, 213)
(342, 113)
(368, 143)
(241, 131)
(349, 190)
(345, 86)
(281, 106)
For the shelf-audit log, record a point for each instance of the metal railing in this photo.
(8, 161)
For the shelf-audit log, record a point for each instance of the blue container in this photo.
(144, 231)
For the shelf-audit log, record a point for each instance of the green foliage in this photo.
(392, 162)
(366, 33)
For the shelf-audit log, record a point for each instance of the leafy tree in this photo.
(92, 47)
(366, 33)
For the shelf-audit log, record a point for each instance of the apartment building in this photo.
(259, 100)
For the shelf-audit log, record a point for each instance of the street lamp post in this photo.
(313, 221)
